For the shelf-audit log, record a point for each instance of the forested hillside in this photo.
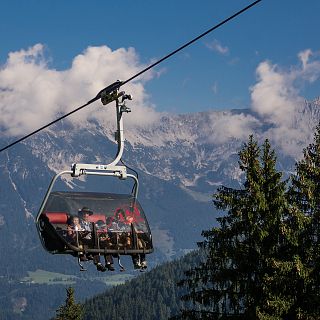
(152, 295)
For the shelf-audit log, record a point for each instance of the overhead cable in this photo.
(118, 84)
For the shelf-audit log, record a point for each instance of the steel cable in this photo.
(121, 83)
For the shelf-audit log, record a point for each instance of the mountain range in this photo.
(181, 160)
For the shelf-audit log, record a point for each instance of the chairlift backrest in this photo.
(57, 217)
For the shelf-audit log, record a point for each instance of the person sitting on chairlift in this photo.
(103, 236)
(126, 220)
(73, 234)
(73, 227)
(85, 224)
(84, 213)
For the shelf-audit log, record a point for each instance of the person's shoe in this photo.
(110, 266)
(144, 265)
(101, 267)
(136, 265)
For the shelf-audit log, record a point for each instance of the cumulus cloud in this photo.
(274, 95)
(216, 46)
(225, 126)
(277, 99)
(33, 94)
(278, 108)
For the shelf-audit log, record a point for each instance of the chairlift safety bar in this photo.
(79, 169)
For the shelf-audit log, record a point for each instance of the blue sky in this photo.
(213, 74)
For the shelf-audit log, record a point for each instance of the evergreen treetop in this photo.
(71, 310)
(244, 253)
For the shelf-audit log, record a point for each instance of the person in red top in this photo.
(127, 221)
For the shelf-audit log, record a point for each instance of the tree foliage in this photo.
(71, 310)
(305, 195)
(254, 258)
(151, 295)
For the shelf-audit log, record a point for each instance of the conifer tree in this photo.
(71, 310)
(238, 278)
(305, 194)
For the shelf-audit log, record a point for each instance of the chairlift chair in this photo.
(118, 223)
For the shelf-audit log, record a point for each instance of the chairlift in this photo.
(118, 225)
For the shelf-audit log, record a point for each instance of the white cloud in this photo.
(216, 46)
(310, 65)
(32, 94)
(277, 99)
(214, 87)
(304, 56)
(279, 106)
(225, 126)
(274, 95)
